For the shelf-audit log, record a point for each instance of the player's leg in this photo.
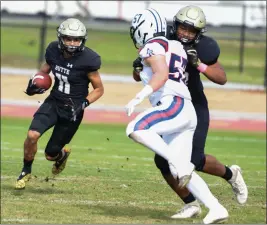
(232, 175)
(169, 117)
(192, 207)
(147, 127)
(174, 115)
(56, 149)
(210, 164)
(181, 147)
(205, 163)
(44, 118)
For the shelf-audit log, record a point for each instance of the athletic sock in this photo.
(228, 173)
(189, 198)
(27, 166)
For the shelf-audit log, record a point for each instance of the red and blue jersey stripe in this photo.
(158, 116)
(162, 42)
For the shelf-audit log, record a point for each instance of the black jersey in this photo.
(208, 53)
(71, 80)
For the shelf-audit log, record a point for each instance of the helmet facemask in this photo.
(135, 31)
(71, 49)
(186, 39)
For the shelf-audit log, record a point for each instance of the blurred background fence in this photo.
(239, 27)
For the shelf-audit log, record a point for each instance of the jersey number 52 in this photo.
(177, 66)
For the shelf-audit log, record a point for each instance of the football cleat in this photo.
(22, 179)
(190, 210)
(238, 185)
(216, 215)
(59, 165)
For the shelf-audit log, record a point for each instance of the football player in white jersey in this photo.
(172, 115)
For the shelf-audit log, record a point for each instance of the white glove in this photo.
(131, 105)
(146, 91)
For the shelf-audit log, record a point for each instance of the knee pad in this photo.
(199, 162)
(162, 164)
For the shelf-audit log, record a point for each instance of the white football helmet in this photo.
(146, 25)
(74, 28)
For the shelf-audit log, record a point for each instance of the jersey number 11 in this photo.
(64, 85)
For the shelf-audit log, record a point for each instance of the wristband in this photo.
(202, 67)
(146, 91)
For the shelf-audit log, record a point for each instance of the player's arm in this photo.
(160, 71)
(154, 56)
(95, 94)
(159, 77)
(97, 84)
(215, 73)
(45, 68)
(206, 61)
(49, 55)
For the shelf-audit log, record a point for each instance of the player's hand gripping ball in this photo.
(38, 84)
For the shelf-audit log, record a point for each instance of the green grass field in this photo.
(20, 48)
(110, 179)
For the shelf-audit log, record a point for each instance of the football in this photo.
(136, 76)
(42, 80)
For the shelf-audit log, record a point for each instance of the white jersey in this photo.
(176, 59)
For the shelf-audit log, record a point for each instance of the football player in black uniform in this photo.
(74, 66)
(203, 52)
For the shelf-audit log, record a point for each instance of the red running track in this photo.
(117, 117)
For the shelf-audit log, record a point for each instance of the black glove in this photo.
(32, 89)
(137, 65)
(192, 56)
(74, 110)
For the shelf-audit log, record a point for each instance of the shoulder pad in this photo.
(162, 41)
(157, 46)
(92, 59)
(51, 52)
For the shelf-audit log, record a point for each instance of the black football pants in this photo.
(49, 115)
